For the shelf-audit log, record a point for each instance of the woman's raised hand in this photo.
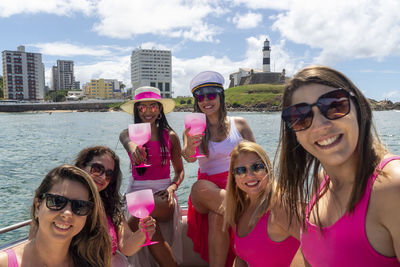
(138, 153)
(192, 141)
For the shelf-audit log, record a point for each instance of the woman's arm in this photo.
(244, 129)
(129, 242)
(177, 163)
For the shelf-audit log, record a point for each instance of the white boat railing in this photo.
(12, 228)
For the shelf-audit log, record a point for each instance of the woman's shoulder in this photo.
(244, 128)
(388, 180)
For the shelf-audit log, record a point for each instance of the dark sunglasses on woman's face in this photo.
(153, 108)
(210, 96)
(256, 168)
(98, 169)
(57, 202)
(332, 105)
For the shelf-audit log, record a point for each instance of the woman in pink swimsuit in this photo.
(222, 134)
(332, 158)
(163, 149)
(102, 164)
(69, 224)
(261, 236)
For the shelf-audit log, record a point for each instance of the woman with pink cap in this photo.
(164, 147)
(223, 133)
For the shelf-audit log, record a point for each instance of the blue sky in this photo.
(361, 38)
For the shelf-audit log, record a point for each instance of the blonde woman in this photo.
(262, 236)
(69, 221)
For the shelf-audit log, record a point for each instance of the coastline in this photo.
(103, 106)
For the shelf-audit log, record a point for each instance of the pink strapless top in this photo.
(258, 250)
(156, 171)
(344, 243)
(12, 258)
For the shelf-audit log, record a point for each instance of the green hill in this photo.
(251, 96)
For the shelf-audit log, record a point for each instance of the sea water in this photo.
(31, 144)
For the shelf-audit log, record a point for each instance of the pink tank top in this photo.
(113, 234)
(156, 171)
(12, 258)
(258, 250)
(345, 242)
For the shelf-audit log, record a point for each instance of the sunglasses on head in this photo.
(98, 169)
(210, 96)
(57, 202)
(153, 108)
(256, 168)
(332, 105)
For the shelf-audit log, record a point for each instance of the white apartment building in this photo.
(23, 75)
(63, 76)
(151, 67)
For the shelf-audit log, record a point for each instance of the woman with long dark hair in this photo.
(163, 149)
(331, 158)
(223, 133)
(102, 164)
(69, 225)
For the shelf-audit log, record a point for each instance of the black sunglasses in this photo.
(332, 105)
(98, 169)
(210, 96)
(57, 202)
(256, 168)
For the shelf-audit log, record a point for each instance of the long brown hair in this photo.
(92, 245)
(221, 121)
(110, 196)
(296, 166)
(237, 201)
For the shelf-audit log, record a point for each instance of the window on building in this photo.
(167, 87)
(160, 86)
(153, 84)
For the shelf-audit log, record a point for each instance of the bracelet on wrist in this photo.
(177, 185)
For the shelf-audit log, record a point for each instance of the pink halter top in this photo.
(12, 258)
(258, 250)
(344, 243)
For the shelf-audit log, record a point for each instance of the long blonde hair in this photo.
(237, 201)
(92, 245)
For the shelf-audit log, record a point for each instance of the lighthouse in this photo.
(266, 56)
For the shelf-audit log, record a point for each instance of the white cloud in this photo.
(112, 69)
(58, 7)
(247, 21)
(392, 95)
(343, 29)
(270, 4)
(173, 18)
(68, 50)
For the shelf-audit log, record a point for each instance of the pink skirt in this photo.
(198, 223)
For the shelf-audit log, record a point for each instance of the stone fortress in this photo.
(251, 76)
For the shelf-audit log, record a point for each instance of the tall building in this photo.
(63, 75)
(23, 75)
(102, 88)
(152, 68)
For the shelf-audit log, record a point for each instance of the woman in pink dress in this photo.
(163, 149)
(262, 236)
(332, 158)
(223, 133)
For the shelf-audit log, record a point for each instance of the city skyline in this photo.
(361, 38)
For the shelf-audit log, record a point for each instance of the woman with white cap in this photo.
(223, 133)
(164, 147)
